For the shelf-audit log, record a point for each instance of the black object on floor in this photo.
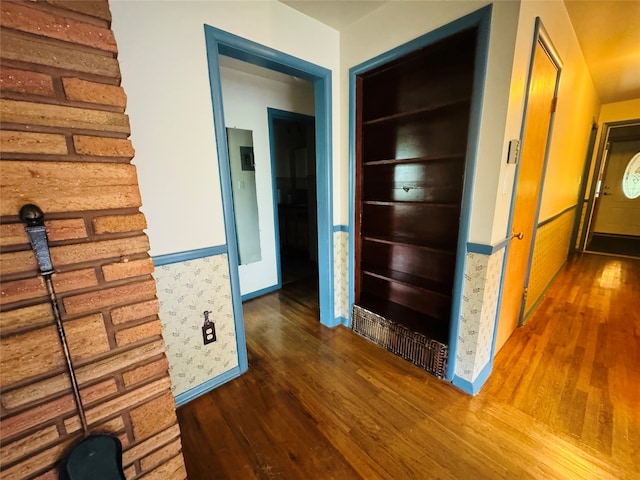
(615, 244)
(96, 457)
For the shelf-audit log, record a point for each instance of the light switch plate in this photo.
(514, 151)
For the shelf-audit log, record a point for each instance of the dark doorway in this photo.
(294, 165)
(615, 224)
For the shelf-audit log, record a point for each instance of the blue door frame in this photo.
(219, 42)
(482, 20)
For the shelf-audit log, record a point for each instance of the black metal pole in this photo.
(33, 217)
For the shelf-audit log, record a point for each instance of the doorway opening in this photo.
(614, 226)
(219, 42)
(261, 164)
(293, 161)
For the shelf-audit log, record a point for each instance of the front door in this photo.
(618, 208)
(540, 104)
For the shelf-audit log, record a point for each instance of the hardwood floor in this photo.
(317, 403)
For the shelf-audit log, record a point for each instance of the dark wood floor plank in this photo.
(563, 400)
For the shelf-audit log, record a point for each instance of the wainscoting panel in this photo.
(341, 274)
(549, 255)
(185, 290)
(478, 314)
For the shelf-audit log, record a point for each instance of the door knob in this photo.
(518, 235)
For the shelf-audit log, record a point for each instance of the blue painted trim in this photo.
(334, 322)
(482, 19)
(482, 377)
(212, 45)
(487, 249)
(290, 116)
(324, 194)
(475, 386)
(343, 321)
(263, 291)
(351, 255)
(219, 42)
(207, 386)
(341, 228)
(273, 114)
(465, 385)
(251, 52)
(179, 257)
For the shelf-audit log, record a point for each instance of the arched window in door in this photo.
(631, 178)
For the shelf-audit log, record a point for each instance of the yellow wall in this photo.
(549, 255)
(614, 112)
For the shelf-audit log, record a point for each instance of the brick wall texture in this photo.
(64, 146)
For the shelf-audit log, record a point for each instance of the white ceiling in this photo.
(336, 13)
(608, 32)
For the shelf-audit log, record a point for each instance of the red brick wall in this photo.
(64, 145)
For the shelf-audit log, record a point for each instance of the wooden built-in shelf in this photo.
(428, 158)
(412, 127)
(400, 202)
(413, 320)
(412, 243)
(419, 111)
(426, 284)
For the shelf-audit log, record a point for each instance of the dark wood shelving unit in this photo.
(408, 242)
(420, 283)
(397, 161)
(433, 109)
(412, 125)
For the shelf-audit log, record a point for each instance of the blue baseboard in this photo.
(333, 322)
(259, 293)
(473, 387)
(207, 386)
(343, 321)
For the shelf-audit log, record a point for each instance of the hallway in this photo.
(563, 400)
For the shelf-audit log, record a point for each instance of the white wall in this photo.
(246, 98)
(164, 72)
